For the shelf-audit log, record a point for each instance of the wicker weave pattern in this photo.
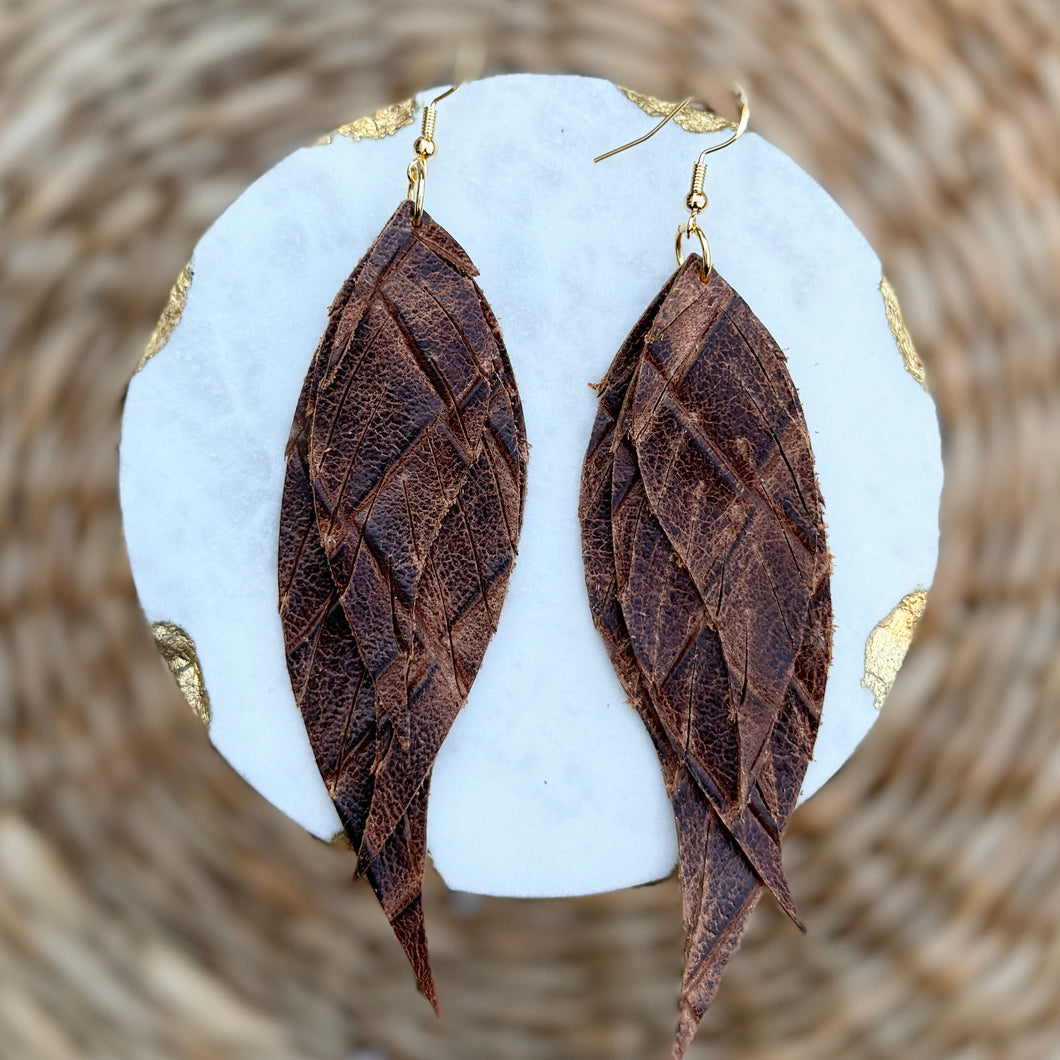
(153, 906)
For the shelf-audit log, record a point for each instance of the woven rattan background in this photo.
(153, 906)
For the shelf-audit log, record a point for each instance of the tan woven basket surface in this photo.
(152, 905)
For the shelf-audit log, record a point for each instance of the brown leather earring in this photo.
(708, 577)
(401, 512)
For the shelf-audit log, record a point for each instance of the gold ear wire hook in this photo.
(741, 125)
(696, 199)
(648, 135)
(425, 148)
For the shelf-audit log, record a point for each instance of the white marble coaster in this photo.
(547, 784)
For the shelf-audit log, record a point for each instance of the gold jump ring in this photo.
(687, 230)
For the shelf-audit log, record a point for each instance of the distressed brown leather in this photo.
(708, 578)
(401, 512)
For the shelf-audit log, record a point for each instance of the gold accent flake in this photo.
(887, 644)
(913, 365)
(691, 120)
(170, 317)
(340, 840)
(377, 126)
(178, 649)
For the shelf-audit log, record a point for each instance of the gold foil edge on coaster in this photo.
(178, 649)
(384, 122)
(691, 120)
(888, 642)
(170, 317)
(913, 365)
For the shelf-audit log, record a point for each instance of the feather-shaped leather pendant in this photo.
(708, 578)
(401, 511)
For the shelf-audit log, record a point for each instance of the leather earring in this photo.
(708, 579)
(400, 517)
